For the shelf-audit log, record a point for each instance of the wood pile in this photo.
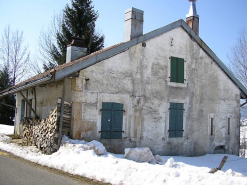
(45, 133)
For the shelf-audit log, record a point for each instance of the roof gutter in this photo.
(29, 85)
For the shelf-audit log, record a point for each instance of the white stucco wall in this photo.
(139, 79)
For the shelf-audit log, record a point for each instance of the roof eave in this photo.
(88, 61)
(27, 86)
(216, 59)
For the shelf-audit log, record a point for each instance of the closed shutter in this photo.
(172, 120)
(174, 66)
(106, 121)
(176, 120)
(177, 70)
(180, 64)
(117, 122)
(179, 123)
(111, 120)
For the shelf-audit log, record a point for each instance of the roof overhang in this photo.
(80, 64)
(27, 86)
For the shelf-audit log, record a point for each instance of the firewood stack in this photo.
(44, 134)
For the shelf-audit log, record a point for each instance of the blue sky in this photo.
(220, 20)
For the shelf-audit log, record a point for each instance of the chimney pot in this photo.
(192, 18)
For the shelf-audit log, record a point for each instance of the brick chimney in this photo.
(133, 24)
(192, 19)
(76, 49)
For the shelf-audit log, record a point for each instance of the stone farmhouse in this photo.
(166, 90)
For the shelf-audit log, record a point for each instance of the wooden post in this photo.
(61, 114)
(26, 100)
(223, 161)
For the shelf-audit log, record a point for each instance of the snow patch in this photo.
(6, 129)
(158, 158)
(81, 145)
(169, 163)
(4, 138)
(98, 147)
(139, 154)
(75, 158)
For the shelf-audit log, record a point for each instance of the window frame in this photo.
(229, 120)
(211, 125)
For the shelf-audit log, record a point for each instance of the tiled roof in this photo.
(67, 69)
(57, 68)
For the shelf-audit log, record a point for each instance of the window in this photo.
(212, 126)
(177, 70)
(228, 127)
(111, 120)
(176, 120)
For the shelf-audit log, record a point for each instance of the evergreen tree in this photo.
(78, 21)
(7, 113)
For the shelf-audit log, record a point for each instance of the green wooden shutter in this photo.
(172, 120)
(174, 66)
(176, 120)
(177, 70)
(179, 121)
(180, 72)
(117, 122)
(106, 118)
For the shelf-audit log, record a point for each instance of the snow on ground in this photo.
(75, 157)
(6, 129)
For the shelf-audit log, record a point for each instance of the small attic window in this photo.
(177, 70)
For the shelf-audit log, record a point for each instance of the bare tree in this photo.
(34, 66)
(47, 40)
(14, 54)
(238, 57)
(5, 48)
(238, 64)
